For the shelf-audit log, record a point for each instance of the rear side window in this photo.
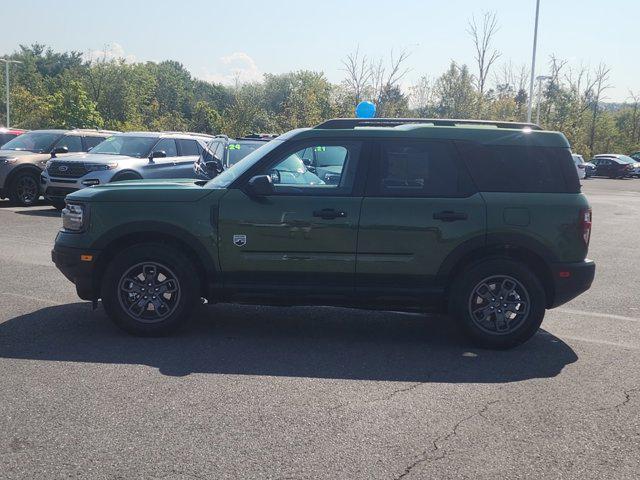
(418, 169)
(188, 147)
(521, 168)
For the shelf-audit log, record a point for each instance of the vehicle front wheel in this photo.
(25, 189)
(58, 204)
(150, 289)
(499, 303)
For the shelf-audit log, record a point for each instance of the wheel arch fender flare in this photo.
(24, 168)
(129, 234)
(536, 255)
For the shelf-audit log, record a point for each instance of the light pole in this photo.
(533, 62)
(6, 77)
(539, 79)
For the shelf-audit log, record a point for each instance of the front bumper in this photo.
(570, 280)
(80, 271)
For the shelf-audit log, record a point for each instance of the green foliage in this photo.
(51, 89)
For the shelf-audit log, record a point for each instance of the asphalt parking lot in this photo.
(257, 392)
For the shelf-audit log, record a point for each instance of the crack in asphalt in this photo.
(388, 396)
(438, 443)
(627, 398)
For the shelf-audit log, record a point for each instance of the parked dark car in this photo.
(223, 152)
(612, 166)
(7, 134)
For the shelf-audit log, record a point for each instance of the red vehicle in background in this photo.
(7, 134)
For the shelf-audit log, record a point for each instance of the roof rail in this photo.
(195, 134)
(347, 123)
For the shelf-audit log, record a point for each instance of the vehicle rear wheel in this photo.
(25, 189)
(150, 289)
(499, 303)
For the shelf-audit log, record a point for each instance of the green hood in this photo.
(153, 190)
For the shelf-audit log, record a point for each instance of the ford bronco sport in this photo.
(484, 220)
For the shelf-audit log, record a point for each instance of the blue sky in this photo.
(216, 40)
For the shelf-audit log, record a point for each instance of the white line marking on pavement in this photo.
(595, 314)
(28, 297)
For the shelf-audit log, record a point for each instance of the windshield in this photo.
(240, 149)
(625, 159)
(38, 142)
(229, 175)
(125, 145)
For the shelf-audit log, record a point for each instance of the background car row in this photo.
(55, 163)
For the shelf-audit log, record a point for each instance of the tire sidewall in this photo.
(465, 283)
(162, 254)
(13, 194)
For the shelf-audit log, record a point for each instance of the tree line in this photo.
(63, 90)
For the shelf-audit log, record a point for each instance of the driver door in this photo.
(162, 167)
(300, 240)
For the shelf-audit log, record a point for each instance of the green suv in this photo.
(483, 220)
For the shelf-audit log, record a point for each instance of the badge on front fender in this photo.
(239, 240)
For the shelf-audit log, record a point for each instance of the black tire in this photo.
(119, 177)
(24, 189)
(169, 263)
(464, 296)
(58, 204)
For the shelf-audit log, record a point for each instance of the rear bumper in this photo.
(570, 280)
(81, 272)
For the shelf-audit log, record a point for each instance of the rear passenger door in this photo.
(188, 153)
(419, 206)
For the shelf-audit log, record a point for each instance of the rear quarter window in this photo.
(521, 168)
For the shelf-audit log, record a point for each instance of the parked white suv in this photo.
(580, 165)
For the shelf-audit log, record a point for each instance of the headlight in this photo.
(98, 167)
(73, 217)
(8, 161)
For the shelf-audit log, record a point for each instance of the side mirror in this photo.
(260, 186)
(157, 154)
(58, 150)
(307, 162)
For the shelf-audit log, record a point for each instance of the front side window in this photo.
(73, 143)
(295, 172)
(418, 169)
(168, 146)
(38, 142)
(129, 146)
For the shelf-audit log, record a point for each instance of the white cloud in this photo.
(111, 51)
(237, 67)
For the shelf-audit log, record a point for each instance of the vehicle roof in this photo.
(483, 132)
(83, 131)
(166, 134)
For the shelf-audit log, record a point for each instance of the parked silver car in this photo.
(126, 156)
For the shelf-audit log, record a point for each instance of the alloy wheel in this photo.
(499, 304)
(149, 292)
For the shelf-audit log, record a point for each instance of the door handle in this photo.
(329, 213)
(449, 216)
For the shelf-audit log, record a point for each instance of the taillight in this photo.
(585, 225)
